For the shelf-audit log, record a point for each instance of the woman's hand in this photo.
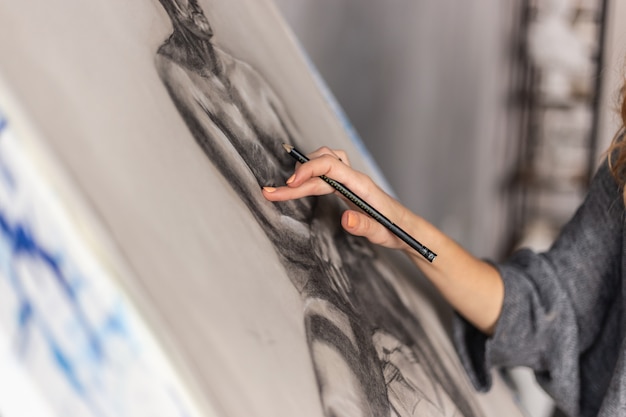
(335, 164)
(473, 287)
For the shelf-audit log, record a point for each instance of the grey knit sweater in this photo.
(563, 312)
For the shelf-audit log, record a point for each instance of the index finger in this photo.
(329, 166)
(341, 155)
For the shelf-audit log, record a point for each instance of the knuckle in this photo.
(325, 150)
(328, 160)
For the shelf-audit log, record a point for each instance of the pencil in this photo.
(375, 214)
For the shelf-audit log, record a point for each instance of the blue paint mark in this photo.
(25, 317)
(25, 314)
(65, 365)
(4, 169)
(23, 244)
(115, 323)
(96, 349)
(81, 361)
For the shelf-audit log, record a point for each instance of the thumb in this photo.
(352, 222)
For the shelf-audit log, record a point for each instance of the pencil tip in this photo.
(288, 148)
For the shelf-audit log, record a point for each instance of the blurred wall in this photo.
(425, 84)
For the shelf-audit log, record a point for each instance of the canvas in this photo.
(168, 116)
(71, 343)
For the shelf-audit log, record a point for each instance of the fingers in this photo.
(306, 182)
(330, 166)
(314, 186)
(360, 224)
(334, 164)
(341, 155)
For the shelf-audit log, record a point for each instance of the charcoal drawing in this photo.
(371, 356)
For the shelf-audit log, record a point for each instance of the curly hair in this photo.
(617, 150)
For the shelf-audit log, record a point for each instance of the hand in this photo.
(473, 287)
(335, 164)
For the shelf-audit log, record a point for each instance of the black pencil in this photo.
(359, 202)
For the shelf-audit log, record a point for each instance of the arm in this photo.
(455, 272)
(559, 312)
(562, 310)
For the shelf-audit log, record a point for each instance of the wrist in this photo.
(425, 233)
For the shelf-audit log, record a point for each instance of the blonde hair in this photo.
(617, 150)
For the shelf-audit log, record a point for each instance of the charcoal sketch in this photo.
(371, 356)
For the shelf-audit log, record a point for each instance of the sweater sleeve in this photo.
(557, 316)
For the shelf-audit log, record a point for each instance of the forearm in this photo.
(473, 287)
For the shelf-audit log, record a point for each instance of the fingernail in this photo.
(351, 220)
(269, 189)
(290, 180)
